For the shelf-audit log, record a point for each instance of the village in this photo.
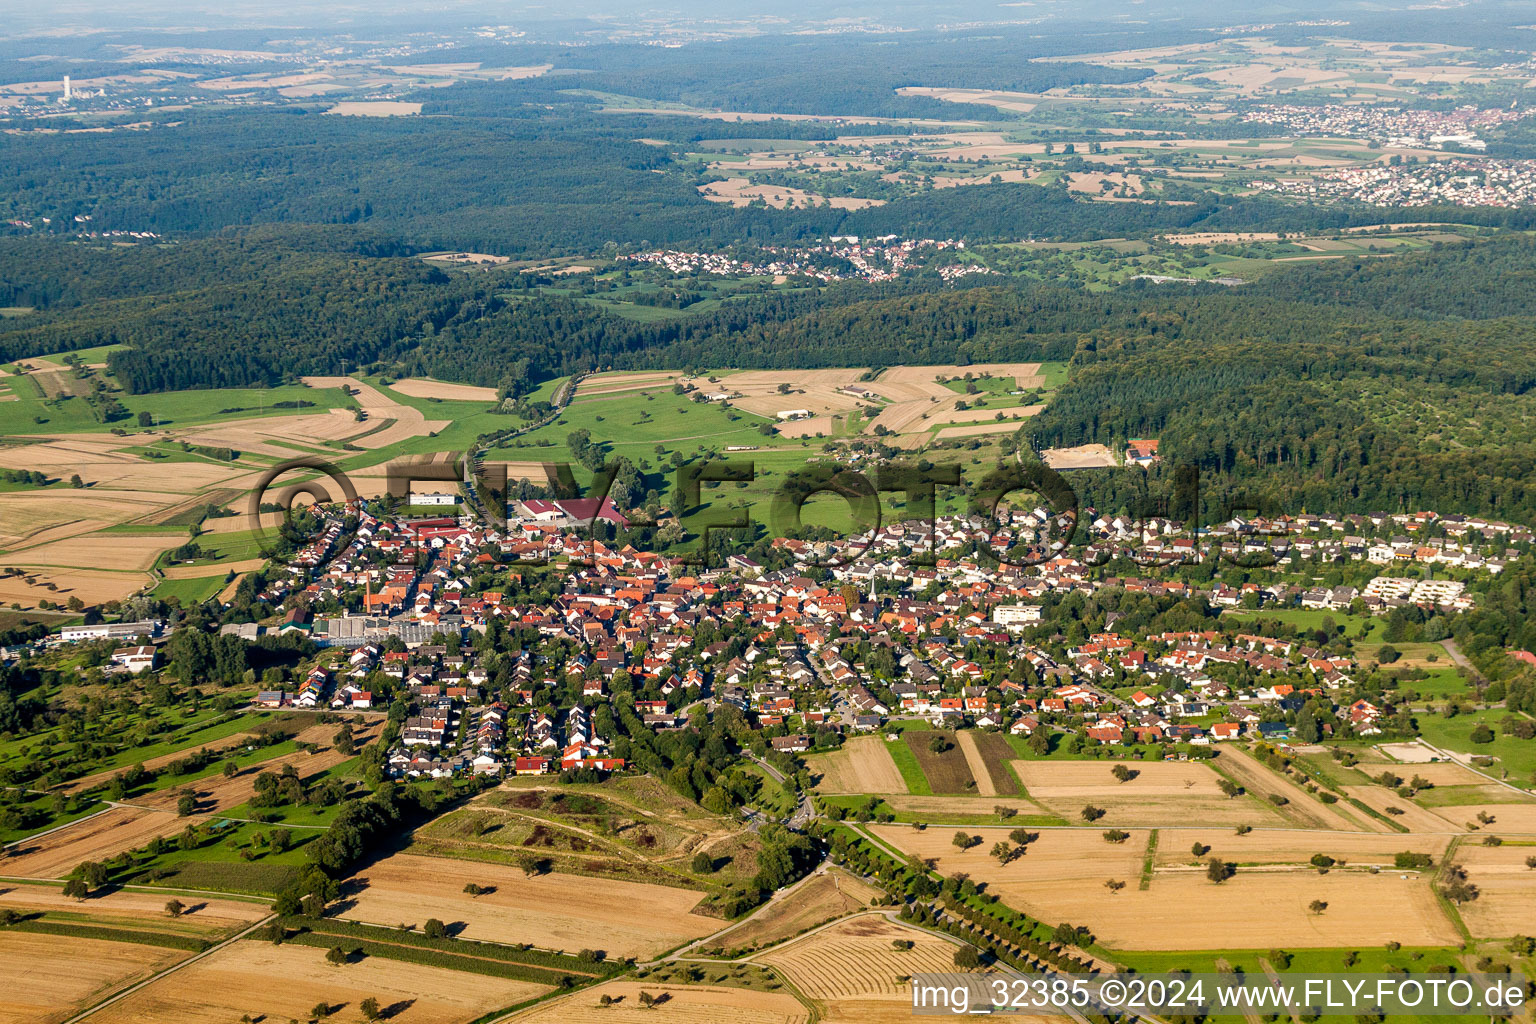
(904, 623)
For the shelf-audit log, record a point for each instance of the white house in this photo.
(134, 659)
(433, 498)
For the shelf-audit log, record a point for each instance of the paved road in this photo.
(804, 811)
(1462, 660)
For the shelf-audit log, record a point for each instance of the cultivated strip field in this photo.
(987, 756)
(854, 959)
(552, 911)
(1302, 807)
(970, 807)
(285, 982)
(863, 765)
(1405, 812)
(947, 770)
(824, 896)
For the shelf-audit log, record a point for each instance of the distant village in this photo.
(1447, 182)
(840, 258)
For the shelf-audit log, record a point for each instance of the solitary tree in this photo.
(1113, 885)
(1218, 870)
(1092, 813)
(369, 1008)
(1199, 849)
(474, 889)
(75, 889)
(1123, 773)
(1317, 906)
(175, 907)
(434, 929)
(321, 1010)
(336, 956)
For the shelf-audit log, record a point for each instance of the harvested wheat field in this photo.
(863, 765)
(1285, 846)
(854, 959)
(1506, 818)
(99, 551)
(986, 415)
(36, 517)
(1063, 876)
(553, 911)
(98, 837)
(408, 422)
(619, 383)
(823, 393)
(279, 983)
(741, 192)
(978, 430)
(1506, 902)
(65, 974)
(692, 1004)
(426, 387)
(1026, 375)
(375, 108)
(826, 895)
(1444, 773)
(1059, 860)
(1161, 791)
(59, 585)
(135, 909)
(202, 572)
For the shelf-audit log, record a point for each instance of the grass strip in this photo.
(436, 958)
(1147, 859)
(93, 931)
(540, 959)
(911, 771)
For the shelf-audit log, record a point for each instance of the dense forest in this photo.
(541, 178)
(1354, 383)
